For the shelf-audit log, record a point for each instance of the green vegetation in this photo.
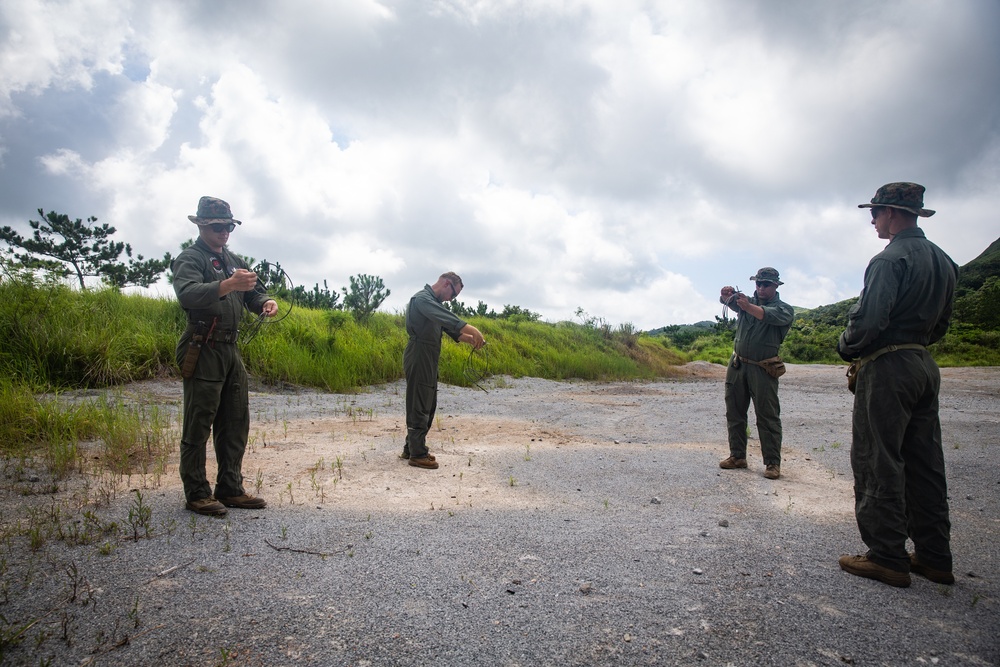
(81, 250)
(55, 339)
(972, 340)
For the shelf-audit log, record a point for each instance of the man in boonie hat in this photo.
(213, 286)
(900, 489)
(762, 322)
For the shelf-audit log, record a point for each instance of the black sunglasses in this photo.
(219, 227)
(763, 283)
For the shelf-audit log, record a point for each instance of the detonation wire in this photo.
(277, 281)
(732, 299)
(477, 367)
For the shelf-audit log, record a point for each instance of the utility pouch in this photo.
(193, 351)
(774, 366)
(852, 376)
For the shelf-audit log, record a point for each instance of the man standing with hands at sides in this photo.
(899, 479)
(426, 319)
(762, 323)
(213, 285)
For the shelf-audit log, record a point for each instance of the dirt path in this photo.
(571, 523)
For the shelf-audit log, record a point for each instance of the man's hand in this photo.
(471, 335)
(270, 308)
(241, 281)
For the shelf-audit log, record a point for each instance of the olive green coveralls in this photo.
(426, 319)
(756, 339)
(900, 488)
(216, 398)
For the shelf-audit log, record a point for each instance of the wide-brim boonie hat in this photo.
(767, 274)
(906, 196)
(211, 210)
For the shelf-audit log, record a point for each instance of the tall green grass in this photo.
(52, 336)
(127, 438)
(54, 339)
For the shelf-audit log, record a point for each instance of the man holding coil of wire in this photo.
(213, 286)
(426, 319)
(762, 323)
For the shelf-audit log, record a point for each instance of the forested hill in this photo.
(973, 275)
(972, 339)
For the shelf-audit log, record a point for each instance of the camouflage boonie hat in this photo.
(768, 274)
(907, 196)
(212, 210)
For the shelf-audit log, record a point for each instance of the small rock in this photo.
(656, 501)
(585, 588)
(697, 570)
(628, 637)
(724, 523)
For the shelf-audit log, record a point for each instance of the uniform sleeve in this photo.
(189, 283)
(433, 310)
(870, 315)
(779, 314)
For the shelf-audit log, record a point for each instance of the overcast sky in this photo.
(628, 158)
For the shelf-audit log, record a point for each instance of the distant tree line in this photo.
(81, 249)
(509, 312)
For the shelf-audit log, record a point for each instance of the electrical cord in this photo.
(477, 367)
(275, 281)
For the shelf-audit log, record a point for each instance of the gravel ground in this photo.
(570, 523)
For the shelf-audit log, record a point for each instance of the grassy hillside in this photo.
(972, 340)
(54, 337)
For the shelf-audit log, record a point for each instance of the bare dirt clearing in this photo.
(570, 522)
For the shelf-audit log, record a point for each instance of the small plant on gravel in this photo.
(259, 481)
(225, 657)
(227, 529)
(835, 445)
(527, 452)
(139, 515)
(133, 613)
(284, 532)
(340, 467)
(513, 482)
(169, 526)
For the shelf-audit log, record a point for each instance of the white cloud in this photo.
(626, 158)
